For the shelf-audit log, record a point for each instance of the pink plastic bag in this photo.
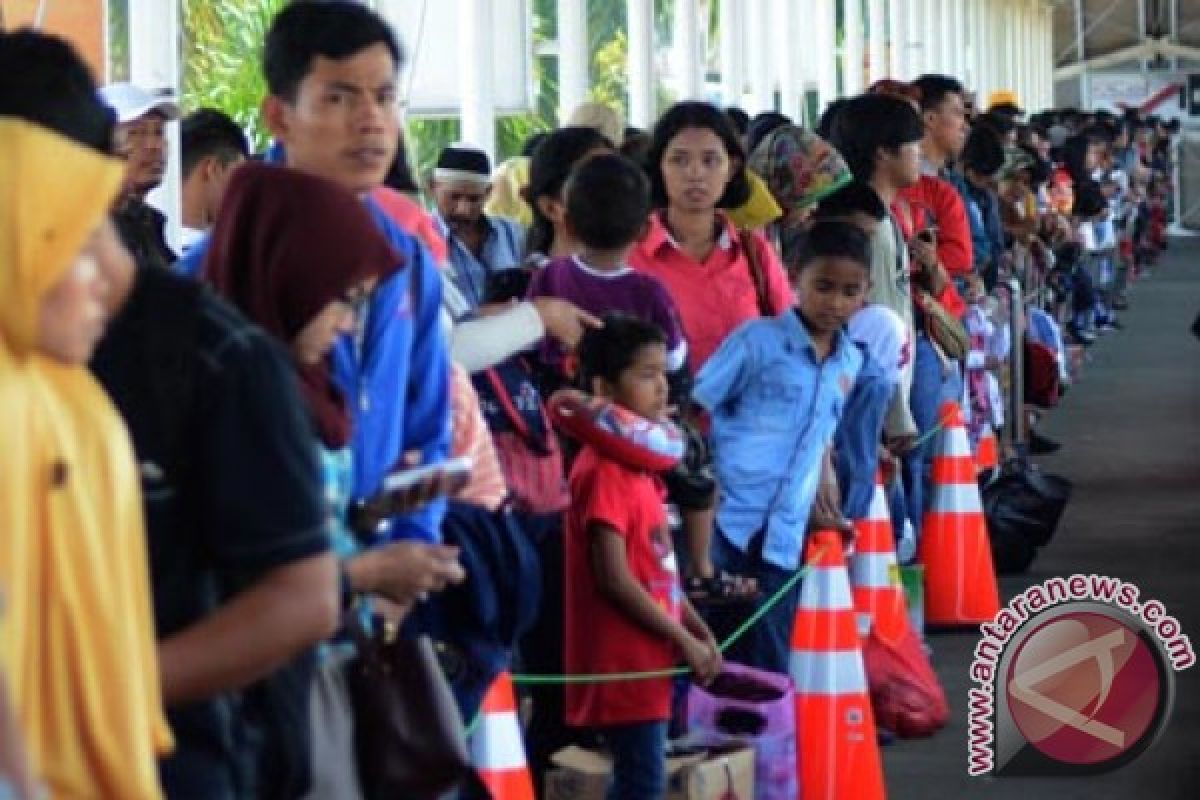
(749, 705)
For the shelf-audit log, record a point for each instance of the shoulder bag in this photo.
(408, 733)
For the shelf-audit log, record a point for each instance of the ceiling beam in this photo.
(1151, 48)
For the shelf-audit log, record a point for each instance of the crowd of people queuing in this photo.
(668, 354)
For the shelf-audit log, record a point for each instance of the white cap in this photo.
(885, 335)
(133, 102)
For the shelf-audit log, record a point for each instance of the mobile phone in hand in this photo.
(458, 470)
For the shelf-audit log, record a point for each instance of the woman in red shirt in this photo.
(696, 166)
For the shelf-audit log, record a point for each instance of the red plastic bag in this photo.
(1042, 384)
(905, 693)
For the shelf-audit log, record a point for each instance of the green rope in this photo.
(614, 677)
(929, 434)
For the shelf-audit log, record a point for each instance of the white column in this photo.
(640, 25)
(1016, 25)
(877, 40)
(572, 56)
(762, 83)
(1048, 49)
(1028, 52)
(914, 28)
(733, 74)
(985, 43)
(1040, 61)
(477, 109)
(930, 37)
(1085, 89)
(823, 42)
(852, 47)
(788, 28)
(154, 64)
(898, 40)
(958, 45)
(687, 49)
(970, 76)
(945, 48)
(1000, 56)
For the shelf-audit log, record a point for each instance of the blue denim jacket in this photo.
(774, 409)
(858, 437)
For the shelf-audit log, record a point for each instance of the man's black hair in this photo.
(868, 123)
(334, 29)
(400, 176)
(833, 238)
(853, 198)
(1100, 134)
(44, 81)
(1089, 200)
(761, 127)
(531, 144)
(829, 117)
(934, 89)
(608, 200)
(608, 351)
(983, 152)
(739, 118)
(695, 114)
(1002, 124)
(209, 132)
(1042, 170)
(1074, 156)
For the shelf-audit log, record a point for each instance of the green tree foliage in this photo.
(118, 41)
(222, 59)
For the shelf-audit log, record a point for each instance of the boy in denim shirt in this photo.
(776, 389)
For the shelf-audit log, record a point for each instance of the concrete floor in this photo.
(1131, 443)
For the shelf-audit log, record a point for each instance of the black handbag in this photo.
(1023, 506)
(408, 733)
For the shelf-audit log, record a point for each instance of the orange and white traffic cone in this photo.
(960, 578)
(836, 747)
(879, 594)
(874, 573)
(987, 454)
(497, 751)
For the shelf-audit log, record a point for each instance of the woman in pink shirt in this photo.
(696, 170)
(696, 166)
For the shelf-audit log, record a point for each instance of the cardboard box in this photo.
(719, 773)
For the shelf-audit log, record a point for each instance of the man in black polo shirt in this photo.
(243, 581)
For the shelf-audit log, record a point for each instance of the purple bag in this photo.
(757, 708)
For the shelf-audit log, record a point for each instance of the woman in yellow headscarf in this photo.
(77, 638)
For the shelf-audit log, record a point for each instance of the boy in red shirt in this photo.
(626, 611)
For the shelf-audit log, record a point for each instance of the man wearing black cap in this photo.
(478, 244)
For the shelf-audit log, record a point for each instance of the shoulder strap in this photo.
(757, 275)
(504, 397)
(506, 402)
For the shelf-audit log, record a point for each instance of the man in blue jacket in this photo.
(332, 107)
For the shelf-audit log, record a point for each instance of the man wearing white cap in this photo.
(479, 244)
(142, 117)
